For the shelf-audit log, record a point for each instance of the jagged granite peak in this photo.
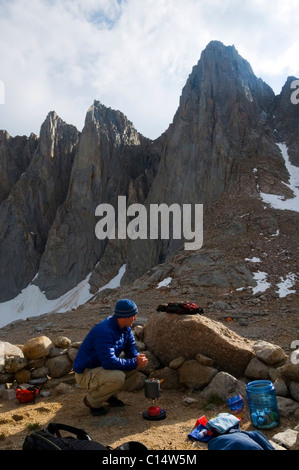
(219, 128)
(222, 73)
(113, 159)
(219, 134)
(27, 214)
(15, 155)
(118, 123)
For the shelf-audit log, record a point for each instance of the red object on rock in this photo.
(154, 411)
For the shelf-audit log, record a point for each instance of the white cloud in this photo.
(131, 55)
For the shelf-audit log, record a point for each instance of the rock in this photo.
(189, 400)
(72, 353)
(59, 366)
(286, 406)
(169, 378)
(9, 350)
(220, 305)
(39, 372)
(14, 364)
(76, 344)
(176, 363)
(170, 336)
(53, 382)
(63, 388)
(35, 363)
(62, 342)
(8, 394)
(224, 386)
(22, 376)
(276, 446)
(40, 381)
(135, 382)
(204, 360)
(138, 331)
(294, 390)
(36, 348)
(57, 352)
(296, 445)
(281, 388)
(195, 375)
(6, 378)
(275, 374)
(257, 369)
(45, 393)
(269, 353)
(140, 346)
(152, 364)
(290, 370)
(11, 358)
(287, 438)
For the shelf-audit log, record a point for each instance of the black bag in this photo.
(183, 308)
(51, 439)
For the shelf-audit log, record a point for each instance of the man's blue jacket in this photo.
(103, 346)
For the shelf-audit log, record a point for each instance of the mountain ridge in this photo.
(222, 142)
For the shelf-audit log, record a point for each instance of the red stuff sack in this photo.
(27, 395)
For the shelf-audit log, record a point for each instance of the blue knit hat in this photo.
(125, 308)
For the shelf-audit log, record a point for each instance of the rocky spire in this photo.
(112, 157)
(27, 214)
(219, 134)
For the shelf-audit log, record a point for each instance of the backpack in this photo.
(51, 439)
(183, 308)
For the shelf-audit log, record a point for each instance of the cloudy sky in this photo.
(132, 55)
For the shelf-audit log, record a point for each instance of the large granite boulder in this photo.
(170, 336)
(11, 358)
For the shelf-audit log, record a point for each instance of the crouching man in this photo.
(98, 367)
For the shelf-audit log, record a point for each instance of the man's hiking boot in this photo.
(95, 411)
(115, 402)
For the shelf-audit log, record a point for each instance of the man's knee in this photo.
(119, 377)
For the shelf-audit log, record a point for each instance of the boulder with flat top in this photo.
(170, 335)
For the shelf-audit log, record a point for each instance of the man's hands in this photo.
(141, 360)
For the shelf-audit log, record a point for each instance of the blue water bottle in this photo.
(262, 403)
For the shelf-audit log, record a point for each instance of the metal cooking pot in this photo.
(152, 388)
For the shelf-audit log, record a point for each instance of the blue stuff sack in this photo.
(223, 423)
(243, 440)
(236, 405)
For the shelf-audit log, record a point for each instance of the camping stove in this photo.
(152, 392)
